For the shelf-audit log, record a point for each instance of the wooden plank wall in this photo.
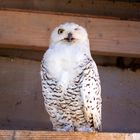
(46, 135)
(124, 9)
(31, 30)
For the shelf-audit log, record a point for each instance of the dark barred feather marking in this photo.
(67, 108)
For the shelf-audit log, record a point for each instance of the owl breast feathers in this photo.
(70, 81)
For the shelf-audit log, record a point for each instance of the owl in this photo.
(70, 81)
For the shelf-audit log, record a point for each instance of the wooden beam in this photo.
(50, 135)
(31, 30)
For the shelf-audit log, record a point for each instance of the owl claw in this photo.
(68, 128)
(85, 129)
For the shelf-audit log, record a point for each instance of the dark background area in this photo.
(123, 9)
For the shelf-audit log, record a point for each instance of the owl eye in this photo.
(76, 29)
(60, 31)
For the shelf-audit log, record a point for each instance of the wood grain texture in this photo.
(31, 30)
(49, 135)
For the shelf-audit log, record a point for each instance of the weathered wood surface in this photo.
(46, 135)
(31, 30)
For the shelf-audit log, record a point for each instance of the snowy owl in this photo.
(70, 81)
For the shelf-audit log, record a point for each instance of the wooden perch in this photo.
(31, 30)
(49, 135)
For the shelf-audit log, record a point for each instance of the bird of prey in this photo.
(70, 81)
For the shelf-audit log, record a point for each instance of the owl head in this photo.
(69, 33)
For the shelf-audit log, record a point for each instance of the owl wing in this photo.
(48, 87)
(91, 95)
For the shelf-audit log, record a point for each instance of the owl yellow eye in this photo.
(60, 31)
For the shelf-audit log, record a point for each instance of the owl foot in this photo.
(65, 128)
(85, 129)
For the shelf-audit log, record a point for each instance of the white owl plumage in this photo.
(70, 81)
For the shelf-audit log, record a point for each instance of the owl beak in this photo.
(69, 37)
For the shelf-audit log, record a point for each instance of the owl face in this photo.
(69, 33)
